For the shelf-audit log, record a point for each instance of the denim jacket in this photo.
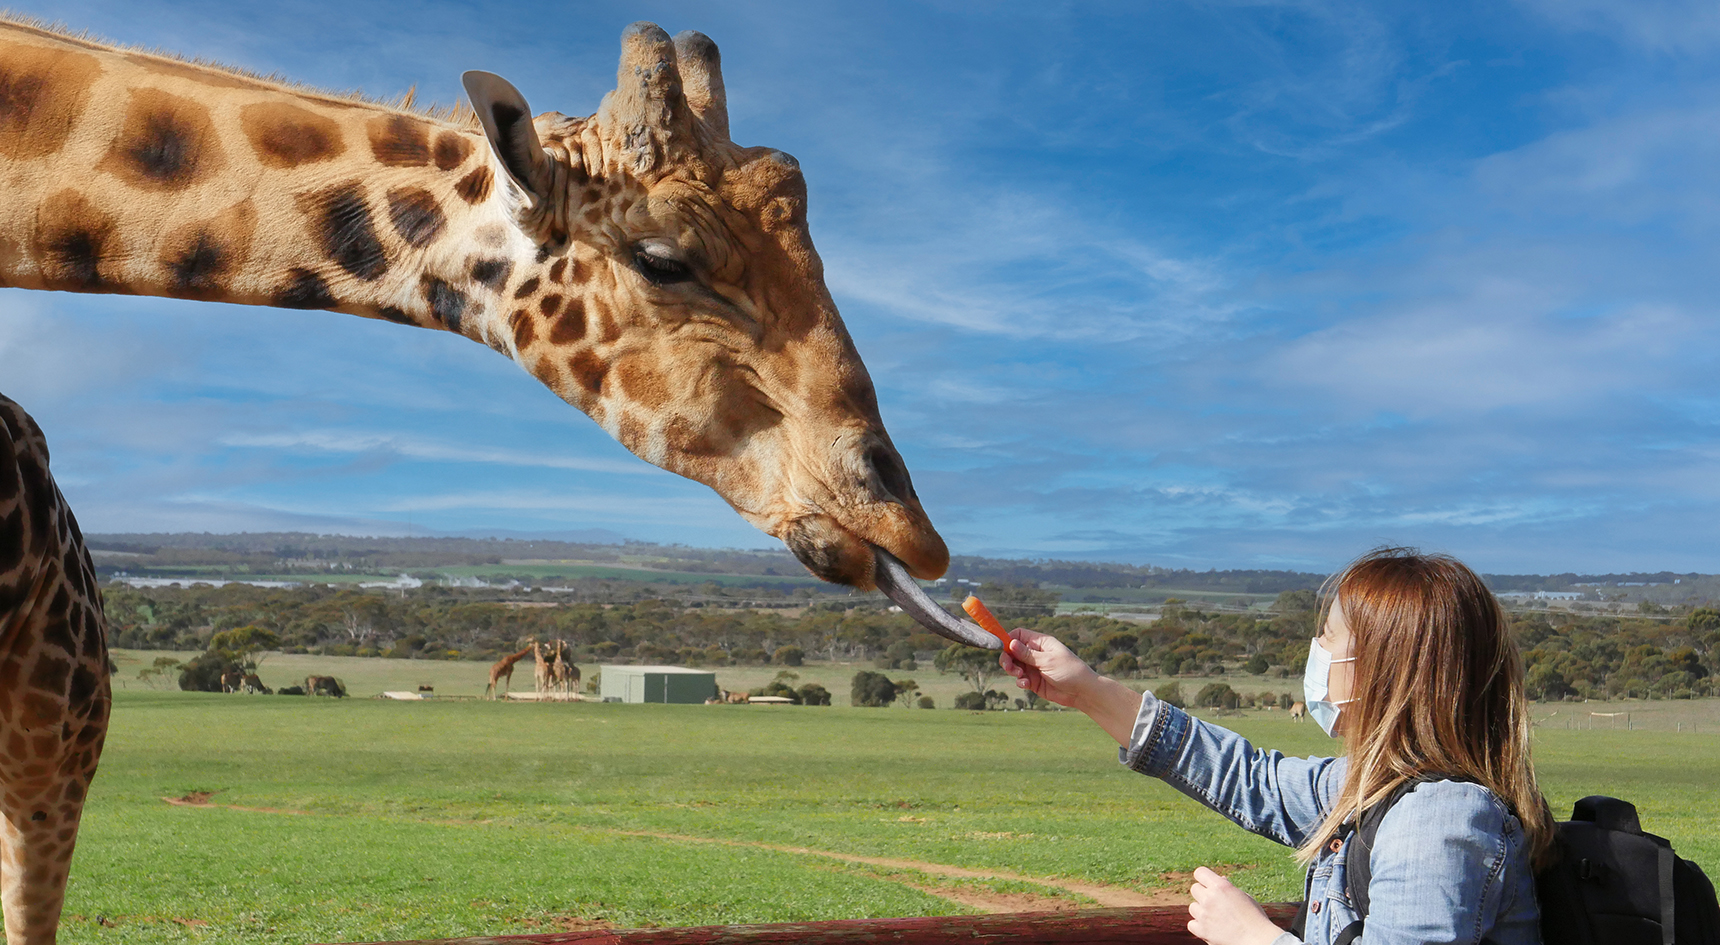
(1449, 863)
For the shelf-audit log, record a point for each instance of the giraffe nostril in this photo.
(891, 473)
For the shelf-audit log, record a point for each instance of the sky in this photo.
(1206, 285)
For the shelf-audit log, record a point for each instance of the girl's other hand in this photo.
(1042, 664)
(1221, 914)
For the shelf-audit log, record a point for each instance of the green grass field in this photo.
(426, 820)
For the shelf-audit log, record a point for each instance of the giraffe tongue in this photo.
(898, 585)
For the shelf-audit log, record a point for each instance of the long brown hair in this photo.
(1438, 689)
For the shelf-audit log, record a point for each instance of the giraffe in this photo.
(637, 262)
(503, 671)
(562, 672)
(54, 686)
(540, 668)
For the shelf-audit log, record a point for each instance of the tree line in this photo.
(1566, 655)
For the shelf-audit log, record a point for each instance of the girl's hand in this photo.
(1042, 664)
(1221, 914)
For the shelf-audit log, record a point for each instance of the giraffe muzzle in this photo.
(897, 584)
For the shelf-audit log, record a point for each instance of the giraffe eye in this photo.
(661, 270)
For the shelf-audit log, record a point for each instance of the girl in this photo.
(1414, 666)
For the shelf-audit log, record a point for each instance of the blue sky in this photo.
(1195, 284)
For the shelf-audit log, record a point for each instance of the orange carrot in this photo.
(977, 610)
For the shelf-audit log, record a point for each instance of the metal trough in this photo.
(1156, 925)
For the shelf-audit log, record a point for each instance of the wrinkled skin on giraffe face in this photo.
(685, 310)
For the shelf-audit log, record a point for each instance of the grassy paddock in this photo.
(426, 820)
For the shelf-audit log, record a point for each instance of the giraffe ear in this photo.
(507, 121)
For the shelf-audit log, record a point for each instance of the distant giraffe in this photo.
(503, 671)
(252, 684)
(541, 670)
(563, 673)
(231, 681)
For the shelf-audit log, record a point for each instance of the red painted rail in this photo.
(1159, 925)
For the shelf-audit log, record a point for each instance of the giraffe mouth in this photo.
(897, 584)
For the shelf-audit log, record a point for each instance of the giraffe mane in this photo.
(459, 115)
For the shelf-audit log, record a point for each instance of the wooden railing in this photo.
(1158, 925)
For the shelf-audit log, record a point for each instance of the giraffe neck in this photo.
(131, 173)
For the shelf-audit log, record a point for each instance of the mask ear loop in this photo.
(1329, 665)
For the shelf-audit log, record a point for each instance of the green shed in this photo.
(658, 684)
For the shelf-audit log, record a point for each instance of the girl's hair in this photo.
(1438, 689)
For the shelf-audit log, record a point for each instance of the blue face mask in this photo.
(1315, 679)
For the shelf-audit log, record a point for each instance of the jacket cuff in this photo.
(1157, 736)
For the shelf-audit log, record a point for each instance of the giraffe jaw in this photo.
(897, 584)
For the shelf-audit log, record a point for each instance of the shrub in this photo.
(789, 656)
(1171, 694)
(1171, 666)
(1257, 664)
(777, 687)
(1122, 665)
(813, 694)
(974, 701)
(927, 702)
(203, 673)
(871, 690)
(291, 691)
(1286, 700)
(1215, 695)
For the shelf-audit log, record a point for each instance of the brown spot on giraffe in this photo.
(286, 135)
(43, 92)
(589, 370)
(526, 288)
(475, 186)
(549, 304)
(452, 149)
(165, 143)
(73, 241)
(341, 219)
(203, 255)
(398, 141)
(558, 270)
(525, 331)
(569, 327)
(416, 215)
(641, 383)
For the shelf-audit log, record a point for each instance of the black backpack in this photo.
(1609, 884)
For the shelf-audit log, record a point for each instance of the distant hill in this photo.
(271, 551)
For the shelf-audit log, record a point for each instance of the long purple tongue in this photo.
(898, 585)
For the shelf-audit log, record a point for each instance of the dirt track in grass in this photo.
(1082, 894)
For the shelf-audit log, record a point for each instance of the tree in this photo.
(927, 702)
(1215, 695)
(1018, 601)
(1290, 602)
(871, 690)
(789, 656)
(243, 645)
(813, 694)
(1171, 694)
(906, 690)
(971, 701)
(1256, 664)
(975, 665)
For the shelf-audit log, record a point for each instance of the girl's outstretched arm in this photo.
(1041, 664)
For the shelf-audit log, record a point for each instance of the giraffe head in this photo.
(678, 300)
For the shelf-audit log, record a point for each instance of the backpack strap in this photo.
(1358, 867)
